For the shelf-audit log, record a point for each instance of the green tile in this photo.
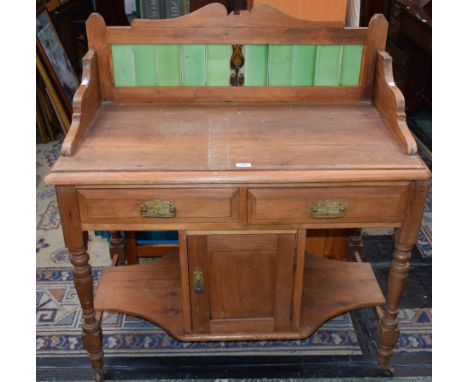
(122, 62)
(218, 65)
(256, 65)
(193, 65)
(208, 65)
(169, 65)
(281, 58)
(144, 57)
(327, 70)
(351, 65)
(303, 65)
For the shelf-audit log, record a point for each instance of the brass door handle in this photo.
(158, 209)
(328, 209)
(198, 283)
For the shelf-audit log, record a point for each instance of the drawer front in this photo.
(188, 205)
(323, 204)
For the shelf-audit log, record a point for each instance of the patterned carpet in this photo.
(59, 320)
(50, 249)
(58, 317)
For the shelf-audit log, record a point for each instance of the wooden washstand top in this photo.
(123, 132)
(225, 137)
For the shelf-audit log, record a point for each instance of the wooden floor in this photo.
(203, 137)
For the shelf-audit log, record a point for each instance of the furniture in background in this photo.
(331, 10)
(63, 15)
(410, 41)
(241, 172)
(113, 11)
(51, 115)
(231, 5)
(69, 16)
(162, 9)
(56, 80)
(158, 9)
(371, 7)
(52, 53)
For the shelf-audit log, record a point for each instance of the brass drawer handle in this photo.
(158, 209)
(328, 209)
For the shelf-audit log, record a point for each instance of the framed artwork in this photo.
(56, 59)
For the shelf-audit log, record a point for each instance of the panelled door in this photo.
(241, 283)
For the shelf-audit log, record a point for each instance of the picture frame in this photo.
(53, 56)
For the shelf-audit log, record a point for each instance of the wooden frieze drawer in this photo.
(322, 204)
(165, 204)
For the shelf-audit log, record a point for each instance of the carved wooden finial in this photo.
(378, 27)
(376, 40)
(95, 20)
(95, 28)
(378, 18)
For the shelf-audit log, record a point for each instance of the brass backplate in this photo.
(158, 209)
(328, 209)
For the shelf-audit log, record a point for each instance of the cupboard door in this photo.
(241, 283)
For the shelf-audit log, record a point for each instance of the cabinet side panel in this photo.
(185, 282)
(298, 278)
(284, 281)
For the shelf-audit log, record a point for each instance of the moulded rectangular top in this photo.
(135, 138)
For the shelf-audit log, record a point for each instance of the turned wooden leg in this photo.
(388, 331)
(117, 247)
(76, 241)
(92, 333)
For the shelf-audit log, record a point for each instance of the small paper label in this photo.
(243, 165)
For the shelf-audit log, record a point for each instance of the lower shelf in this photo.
(152, 291)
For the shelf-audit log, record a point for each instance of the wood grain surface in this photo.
(217, 136)
(330, 288)
(293, 205)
